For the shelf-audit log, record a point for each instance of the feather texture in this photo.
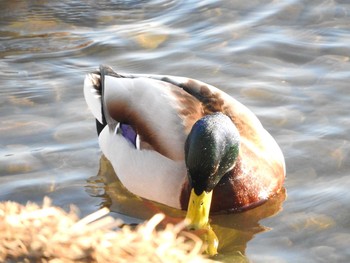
(162, 111)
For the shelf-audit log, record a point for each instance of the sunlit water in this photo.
(288, 61)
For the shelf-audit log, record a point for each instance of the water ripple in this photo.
(288, 61)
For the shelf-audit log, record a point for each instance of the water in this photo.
(288, 61)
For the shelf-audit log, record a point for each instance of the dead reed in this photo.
(34, 233)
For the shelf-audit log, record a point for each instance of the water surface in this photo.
(288, 61)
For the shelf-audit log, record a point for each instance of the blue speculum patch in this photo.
(128, 132)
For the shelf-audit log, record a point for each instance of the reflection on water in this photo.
(288, 61)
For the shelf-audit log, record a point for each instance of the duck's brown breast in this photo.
(245, 187)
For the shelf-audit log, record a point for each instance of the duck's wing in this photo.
(158, 111)
(208, 99)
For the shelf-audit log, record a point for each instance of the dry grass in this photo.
(49, 234)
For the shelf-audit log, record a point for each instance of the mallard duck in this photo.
(183, 143)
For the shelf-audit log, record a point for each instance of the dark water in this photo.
(288, 61)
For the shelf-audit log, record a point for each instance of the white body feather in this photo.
(141, 170)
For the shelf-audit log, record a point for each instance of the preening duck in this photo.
(183, 143)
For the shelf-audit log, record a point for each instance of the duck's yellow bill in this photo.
(198, 218)
(198, 209)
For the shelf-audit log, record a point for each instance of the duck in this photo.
(183, 143)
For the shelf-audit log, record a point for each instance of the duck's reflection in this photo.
(233, 230)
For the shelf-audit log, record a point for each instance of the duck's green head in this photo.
(211, 150)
